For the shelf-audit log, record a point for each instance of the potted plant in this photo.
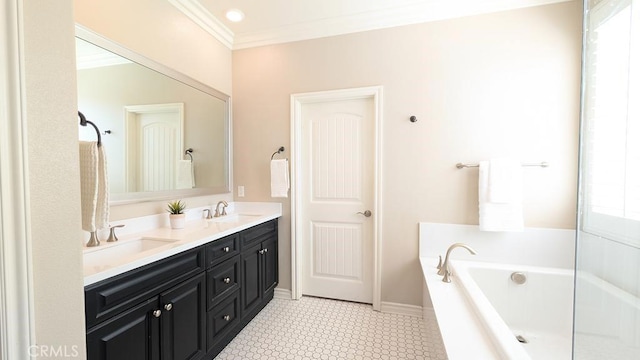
(176, 214)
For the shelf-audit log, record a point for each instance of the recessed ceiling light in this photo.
(235, 15)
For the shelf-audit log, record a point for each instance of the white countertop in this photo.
(196, 232)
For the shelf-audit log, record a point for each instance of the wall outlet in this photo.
(240, 191)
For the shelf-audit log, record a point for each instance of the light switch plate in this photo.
(240, 191)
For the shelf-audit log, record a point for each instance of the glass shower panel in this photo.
(607, 292)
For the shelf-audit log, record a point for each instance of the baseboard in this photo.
(279, 293)
(402, 309)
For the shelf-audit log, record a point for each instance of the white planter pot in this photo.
(177, 221)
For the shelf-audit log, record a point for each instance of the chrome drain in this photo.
(521, 339)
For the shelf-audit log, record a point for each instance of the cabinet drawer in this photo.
(222, 280)
(222, 319)
(258, 233)
(222, 249)
(114, 295)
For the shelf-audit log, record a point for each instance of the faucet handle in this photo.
(112, 233)
(93, 240)
(439, 262)
(447, 277)
(208, 217)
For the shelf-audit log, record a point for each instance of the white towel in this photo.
(184, 175)
(500, 195)
(94, 187)
(279, 178)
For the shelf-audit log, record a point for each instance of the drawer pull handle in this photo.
(226, 280)
(226, 318)
(157, 313)
(168, 307)
(226, 249)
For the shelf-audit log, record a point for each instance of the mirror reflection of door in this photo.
(154, 146)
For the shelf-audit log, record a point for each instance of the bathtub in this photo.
(482, 310)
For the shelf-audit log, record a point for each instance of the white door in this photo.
(154, 148)
(337, 170)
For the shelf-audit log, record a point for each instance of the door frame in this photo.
(297, 101)
(17, 320)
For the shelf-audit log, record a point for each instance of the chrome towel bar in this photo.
(540, 164)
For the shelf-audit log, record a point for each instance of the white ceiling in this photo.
(276, 21)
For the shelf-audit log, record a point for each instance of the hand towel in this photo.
(500, 195)
(94, 188)
(184, 175)
(279, 178)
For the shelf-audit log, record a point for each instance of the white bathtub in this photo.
(540, 310)
(481, 311)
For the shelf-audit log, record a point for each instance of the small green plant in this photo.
(176, 207)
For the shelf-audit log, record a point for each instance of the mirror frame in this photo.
(130, 198)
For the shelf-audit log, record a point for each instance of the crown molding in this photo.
(425, 11)
(398, 16)
(201, 16)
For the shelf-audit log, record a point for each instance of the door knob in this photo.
(366, 213)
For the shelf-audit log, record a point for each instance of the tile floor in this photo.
(315, 328)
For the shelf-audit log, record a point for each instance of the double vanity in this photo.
(180, 294)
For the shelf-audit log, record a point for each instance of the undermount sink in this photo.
(236, 218)
(108, 253)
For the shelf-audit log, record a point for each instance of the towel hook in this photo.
(188, 152)
(84, 122)
(281, 149)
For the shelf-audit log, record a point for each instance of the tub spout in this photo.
(444, 269)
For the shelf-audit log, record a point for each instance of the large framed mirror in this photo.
(165, 134)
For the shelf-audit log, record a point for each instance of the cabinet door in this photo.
(251, 291)
(184, 320)
(132, 335)
(269, 264)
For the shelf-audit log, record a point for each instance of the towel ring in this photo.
(281, 149)
(188, 152)
(84, 122)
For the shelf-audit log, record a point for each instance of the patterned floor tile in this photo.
(315, 328)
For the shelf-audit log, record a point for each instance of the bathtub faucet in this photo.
(443, 269)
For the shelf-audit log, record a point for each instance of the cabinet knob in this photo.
(266, 250)
(226, 318)
(226, 280)
(226, 249)
(261, 252)
(157, 313)
(168, 307)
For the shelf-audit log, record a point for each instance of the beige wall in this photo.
(54, 178)
(503, 84)
(157, 30)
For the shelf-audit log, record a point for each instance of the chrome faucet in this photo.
(443, 269)
(208, 217)
(224, 209)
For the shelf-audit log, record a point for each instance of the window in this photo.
(611, 157)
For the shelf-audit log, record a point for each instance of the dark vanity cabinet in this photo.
(187, 306)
